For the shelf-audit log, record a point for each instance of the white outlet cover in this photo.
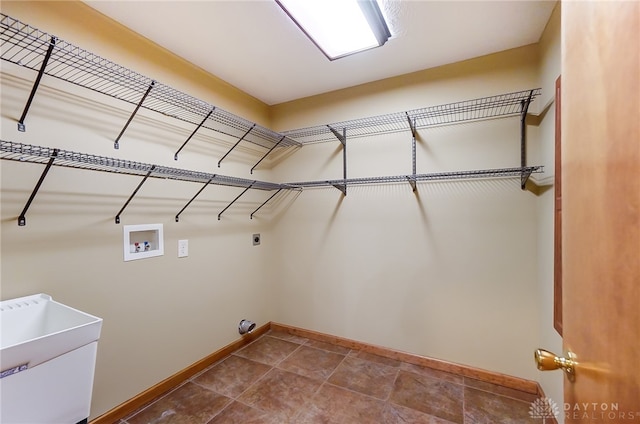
(183, 248)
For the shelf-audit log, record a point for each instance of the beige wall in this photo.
(452, 272)
(160, 314)
(449, 272)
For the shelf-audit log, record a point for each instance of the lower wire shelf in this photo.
(412, 178)
(56, 157)
(38, 154)
(49, 157)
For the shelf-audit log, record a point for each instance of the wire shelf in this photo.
(502, 105)
(31, 48)
(37, 154)
(27, 47)
(440, 176)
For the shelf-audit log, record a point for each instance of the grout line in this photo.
(464, 402)
(153, 402)
(286, 357)
(393, 386)
(193, 377)
(335, 369)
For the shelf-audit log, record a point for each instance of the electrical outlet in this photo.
(183, 248)
(256, 239)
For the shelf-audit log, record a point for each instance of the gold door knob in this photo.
(548, 361)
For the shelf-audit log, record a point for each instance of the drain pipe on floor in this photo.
(246, 326)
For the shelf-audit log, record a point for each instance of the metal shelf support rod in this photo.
(175, 156)
(193, 198)
(265, 202)
(267, 154)
(342, 137)
(234, 200)
(343, 140)
(116, 144)
(341, 187)
(234, 146)
(47, 56)
(22, 220)
(523, 140)
(412, 126)
(134, 193)
(412, 182)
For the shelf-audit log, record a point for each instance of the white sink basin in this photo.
(36, 329)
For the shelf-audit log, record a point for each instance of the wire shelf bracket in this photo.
(265, 202)
(22, 220)
(175, 156)
(134, 193)
(343, 140)
(116, 144)
(267, 154)
(234, 146)
(234, 200)
(412, 127)
(193, 198)
(523, 140)
(45, 61)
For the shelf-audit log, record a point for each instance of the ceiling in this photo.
(253, 45)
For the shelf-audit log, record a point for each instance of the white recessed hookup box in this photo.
(143, 241)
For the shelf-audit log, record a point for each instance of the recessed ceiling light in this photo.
(339, 27)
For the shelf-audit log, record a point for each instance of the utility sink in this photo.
(45, 345)
(37, 328)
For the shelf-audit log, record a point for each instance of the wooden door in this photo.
(601, 208)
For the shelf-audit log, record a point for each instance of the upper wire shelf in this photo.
(42, 155)
(27, 46)
(502, 105)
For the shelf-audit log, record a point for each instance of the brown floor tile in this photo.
(310, 362)
(285, 379)
(500, 390)
(232, 376)
(280, 392)
(287, 336)
(366, 377)
(487, 408)
(239, 413)
(399, 414)
(268, 350)
(430, 395)
(335, 405)
(430, 372)
(328, 347)
(189, 404)
(378, 359)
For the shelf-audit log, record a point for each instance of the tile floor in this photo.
(285, 379)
